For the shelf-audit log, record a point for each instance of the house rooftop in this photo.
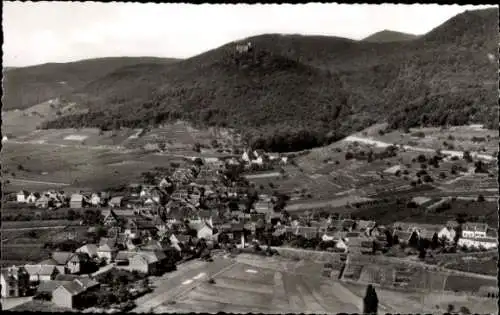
(91, 249)
(49, 262)
(473, 226)
(40, 269)
(152, 256)
(79, 286)
(61, 257)
(50, 286)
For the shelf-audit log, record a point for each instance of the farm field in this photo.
(326, 172)
(430, 302)
(27, 246)
(267, 289)
(21, 125)
(471, 208)
(82, 168)
(481, 265)
(36, 224)
(16, 123)
(470, 138)
(27, 253)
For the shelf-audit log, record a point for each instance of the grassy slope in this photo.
(389, 36)
(443, 77)
(27, 86)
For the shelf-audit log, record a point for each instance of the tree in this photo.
(374, 247)
(395, 240)
(464, 310)
(467, 156)
(480, 198)
(197, 147)
(480, 167)
(422, 253)
(450, 308)
(162, 146)
(435, 241)
(145, 283)
(370, 301)
(389, 238)
(413, 242)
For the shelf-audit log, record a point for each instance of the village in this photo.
(199, 211)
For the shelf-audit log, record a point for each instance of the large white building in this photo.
(475, 235)
(474, 230)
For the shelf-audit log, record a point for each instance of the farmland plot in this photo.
(248, 288)
(36, 224)
(82, 168)
(459, 283)
(24, 252)
(435, 136)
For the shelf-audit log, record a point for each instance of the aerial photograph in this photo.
(319, 158)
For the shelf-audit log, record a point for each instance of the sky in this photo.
(41, 32)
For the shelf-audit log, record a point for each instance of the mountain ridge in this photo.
(285, 81)
(385, 36)
(28, 86)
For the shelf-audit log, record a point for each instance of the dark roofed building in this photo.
(69, 294)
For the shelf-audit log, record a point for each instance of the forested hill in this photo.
(311, 84)
(387, 36)
(28, 86)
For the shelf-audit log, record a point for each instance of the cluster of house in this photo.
(171, 218)
(473, 235)
(47, 199)
(59, 199)
(259, 157)
(48, 277)
(135, 242)
(67, 275)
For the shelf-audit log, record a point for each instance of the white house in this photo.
(41, 272)
(340, 245)
(107, 252)
(32, 198)
(393, 170)
(273, 156)
(42, 202)
(21, 196)
(14, 281)
(284, 160)
(232, 161)
(206, 232)
(327, 238)
(447, 233)
(245, 156)
(474, 230)
(89, 249)
(95, 200)
(165, 183)
(258, 161)
(175, 242)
